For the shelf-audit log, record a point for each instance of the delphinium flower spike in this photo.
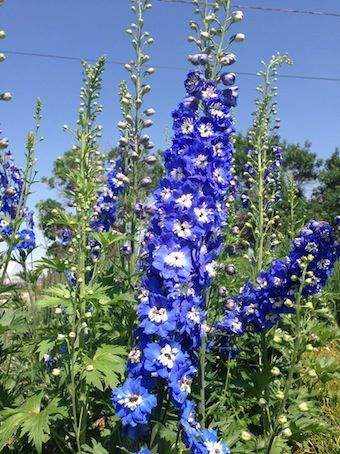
(181, 247)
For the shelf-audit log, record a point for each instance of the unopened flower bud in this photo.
(71, 334)
(2, 57)
(312, 373)
(7, 96)
(303, 407)
(228, 79)
(287, 432)
(275, 371)
(280, 395)
(56, 372)
(2, 34)
(149, 112)
(222, 291)
(238, 38)
(245, 435)
(89, 367)
(282, 420)
(228, 59)
(61, 337)
(150, 159)
(237, 16)
(262, 402)
(230, 269)
(309, 348)
(58, 310)
(146, 181)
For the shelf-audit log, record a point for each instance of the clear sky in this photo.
(309, 109)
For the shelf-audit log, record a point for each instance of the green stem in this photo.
(292, 367)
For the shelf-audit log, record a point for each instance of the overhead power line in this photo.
(267, 8)
(172, 68)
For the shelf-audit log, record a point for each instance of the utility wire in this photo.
(265, 8)
(114, 62)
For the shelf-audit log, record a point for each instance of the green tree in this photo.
(326, 196)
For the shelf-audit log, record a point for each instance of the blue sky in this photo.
(309, 109)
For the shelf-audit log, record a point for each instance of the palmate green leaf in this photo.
(106, 368)
(51, 264)
(108, 238)
(44, 347)
(31, 420)
(96, 448)
(56, 296)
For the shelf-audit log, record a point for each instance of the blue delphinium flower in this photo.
(180, 249)
(133, 402)
(12, 209)
(261, 304)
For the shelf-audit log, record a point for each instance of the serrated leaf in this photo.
(31, 419)
(55, 296)
(106, 367)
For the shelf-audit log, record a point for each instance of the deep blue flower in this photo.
(133, 402)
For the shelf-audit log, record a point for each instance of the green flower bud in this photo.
(245, 435)
(56, 372)
(282, 420)
(287, 432)
(275, 371)
(303, 407)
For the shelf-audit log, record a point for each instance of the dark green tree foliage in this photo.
(326, 196)
(300, 162)
(50, 229)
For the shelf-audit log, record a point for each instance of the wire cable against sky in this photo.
(266, 8)
(173, 68)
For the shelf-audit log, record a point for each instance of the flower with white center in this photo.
(194, 315)
(175, 259)
(214, 447)
(277, 281)
(177, 174)
(158, 315)
(166, 194)
(218, 176)
(211, 268)
(201, 161)
(218, 149)
(168, 356)
(144, 296)
(182, 229)
(185, 384)
(209, 92)
(131, 402)
(184, 289)
(323, 264)
(135, 355)
(185, 201)
(202, 213)
(206, 130)
(312, 247)
(187, 126)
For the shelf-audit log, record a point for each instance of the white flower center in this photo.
(312, 247)
(214, 447)
(187, 126)
(211, 269)
(218, 176)
(168, 356)
(166, 194)
(218, 147)
(202, 213)
(135, 355)
(323, 264)
(201, 161)
(144, 296)
(183, 230)
(184, 289)
(185, 385)
(206, 130)
(209, 92)
(131, 402)
(158, 315)
(185, 201)
(194, 315)
(177, 174)
(236, 325)
(175, 259)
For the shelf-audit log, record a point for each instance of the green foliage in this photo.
(33, 419)
(106, 368)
